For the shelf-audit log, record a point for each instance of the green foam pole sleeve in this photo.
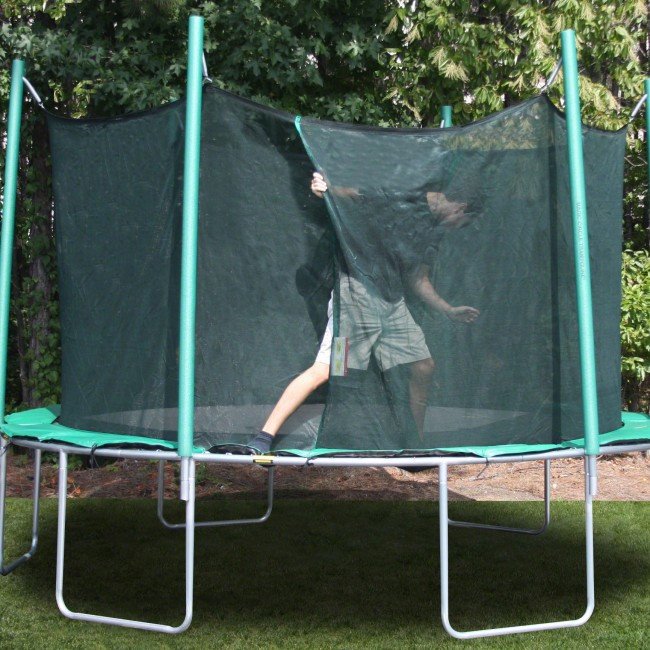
(9, 217)
(446, 116)
(580, 241)
(190, 231)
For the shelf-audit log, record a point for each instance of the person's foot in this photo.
(261, 443)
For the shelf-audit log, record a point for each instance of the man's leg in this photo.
(299, 389)
(419, 382)
(402, 343)
(294, 395)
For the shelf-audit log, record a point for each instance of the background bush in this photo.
(635, 328)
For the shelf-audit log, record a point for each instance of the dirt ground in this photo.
(625, 477)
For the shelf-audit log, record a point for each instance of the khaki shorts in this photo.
(376, 326)
(325, 350)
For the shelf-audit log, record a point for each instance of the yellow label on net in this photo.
(340, 348)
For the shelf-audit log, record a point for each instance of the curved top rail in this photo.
(637, 108)
(33, 93)
(554, 74)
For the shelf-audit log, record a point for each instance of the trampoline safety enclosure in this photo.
(473, 307)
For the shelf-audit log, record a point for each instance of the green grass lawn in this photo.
(328, 575)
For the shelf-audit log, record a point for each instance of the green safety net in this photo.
(438, 267)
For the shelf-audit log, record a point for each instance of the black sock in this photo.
(261, 442)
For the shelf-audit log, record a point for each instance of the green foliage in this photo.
(482, 56)
(99, 58)
(372, 61)
(74, 462)
(636, 227)
(635, 324)
(317, 57)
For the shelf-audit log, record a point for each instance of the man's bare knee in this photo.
(319, 373)
(423, 369)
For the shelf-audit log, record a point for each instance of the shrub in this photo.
(635, 329)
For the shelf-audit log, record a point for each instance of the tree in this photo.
(85, 59)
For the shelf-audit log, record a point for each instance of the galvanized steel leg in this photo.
(524, 531)
(444, 570)
(5, 569)
(206, 524)
(189, 558)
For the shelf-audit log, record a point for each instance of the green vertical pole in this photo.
(190, 229)
(581, 242)
(446, 116)
(9, 217)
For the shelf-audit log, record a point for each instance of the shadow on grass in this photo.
(325, 564)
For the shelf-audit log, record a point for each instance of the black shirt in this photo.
(388, 237)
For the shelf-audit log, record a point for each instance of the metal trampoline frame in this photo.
(160, 501)
(270, 463)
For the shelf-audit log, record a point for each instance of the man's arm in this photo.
(423, 288)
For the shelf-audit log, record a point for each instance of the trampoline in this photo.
(201, 208)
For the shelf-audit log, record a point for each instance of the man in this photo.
(375, 320)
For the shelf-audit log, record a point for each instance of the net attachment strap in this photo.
(92, 461)
(206, 76)
(483, 470)
(554, 74)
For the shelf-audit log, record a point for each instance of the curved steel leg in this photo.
(5, 569)
(207, 524)
(189, 559)
(444, 570)
(524, 531)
